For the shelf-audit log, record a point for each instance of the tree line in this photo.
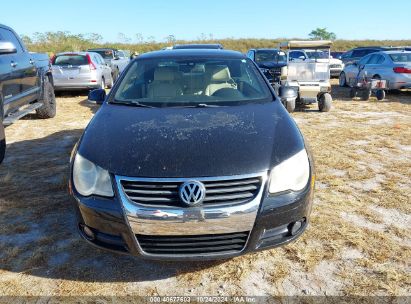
(54, 42)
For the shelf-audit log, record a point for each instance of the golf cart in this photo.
(309, 77)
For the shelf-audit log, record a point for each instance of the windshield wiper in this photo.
(134, 103)
(203, 105)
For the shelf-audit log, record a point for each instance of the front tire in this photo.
(365, 94)
(290, 105)
(115, 74)
(342, 80)
(102, 84)
(2, 141)
(353, 93)
(111, 83)
(324, 103)
(380, 94)
(48, 109)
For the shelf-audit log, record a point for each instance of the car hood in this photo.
(190, 142)
(271, 64)
(335, 61)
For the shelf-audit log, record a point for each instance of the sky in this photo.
(188, 19)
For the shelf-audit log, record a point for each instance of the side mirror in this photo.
(97, 96)
(301, 57)
(116, 58)
(288, 93)
(7, 47)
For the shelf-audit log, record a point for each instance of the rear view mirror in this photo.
(301, 57)
(7, 47)
(97, 96)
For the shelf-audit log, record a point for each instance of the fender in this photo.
(44, 75)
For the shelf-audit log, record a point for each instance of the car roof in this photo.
(305, 44)
(6, 27)
(74, 52)
(198, 46)
(395, 52)
(267, 49)
(184, 53)
(102, 49)
(380, 47)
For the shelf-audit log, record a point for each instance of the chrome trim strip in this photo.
(203, 219)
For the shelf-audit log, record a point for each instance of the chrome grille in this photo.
(193, 244)
(158, 192)
(275, 71)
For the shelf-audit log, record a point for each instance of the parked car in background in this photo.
(337, 55)
(189, 176)
(215, 46)
(79, 71)
(26, 84)
(117, 60)
(336, 65)
(270, 62)
(393, 66)
(354, 55)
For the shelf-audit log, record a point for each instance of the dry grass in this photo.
(358, 242)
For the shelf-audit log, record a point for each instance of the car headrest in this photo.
(220, 74)
(164, 74)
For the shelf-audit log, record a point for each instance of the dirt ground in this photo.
(358, 241)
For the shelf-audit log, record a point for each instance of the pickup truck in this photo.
(117, 60)
(270, 62)
(26, 83)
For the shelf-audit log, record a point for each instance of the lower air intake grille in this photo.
(193, 244)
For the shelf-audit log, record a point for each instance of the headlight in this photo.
(291, 174)
(90, 179)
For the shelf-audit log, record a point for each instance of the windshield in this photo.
(191, 82)
(70, 59)
(106, 54)
(317, 54)
(401, 57)
(266, 56)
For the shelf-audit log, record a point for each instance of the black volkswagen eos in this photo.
(191, 156)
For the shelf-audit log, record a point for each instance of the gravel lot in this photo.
(358, 242)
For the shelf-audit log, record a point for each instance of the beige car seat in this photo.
(220, 78)
(165, 84)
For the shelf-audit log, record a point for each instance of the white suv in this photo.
(336, 65)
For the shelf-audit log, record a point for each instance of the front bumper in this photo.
(335, 72)
(268, 220)
(74, 87)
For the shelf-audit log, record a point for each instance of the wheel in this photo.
(102, 84)
(365, 94)
(324, 103)
(115, 74)
(342, 80)
(380, 94)
(290, 105)
(2, 141)
(110, 84)
(353, 93)
(48, 109)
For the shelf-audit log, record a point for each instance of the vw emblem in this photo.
(192, 192)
